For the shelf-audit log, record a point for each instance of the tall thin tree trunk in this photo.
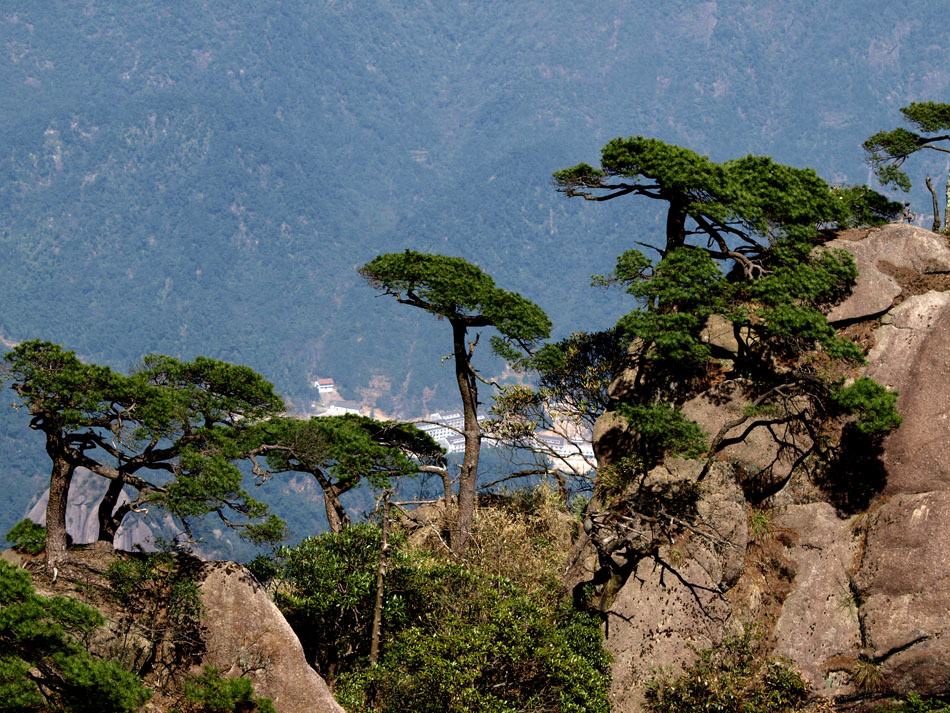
(380, 580)
(60, 478)
(946, 204)
(336, 513)
(468, 390)
(446, 484)
(337, 518)
(933, 195)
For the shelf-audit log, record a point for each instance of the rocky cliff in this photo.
(843, 568)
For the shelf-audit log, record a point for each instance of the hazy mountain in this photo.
(204, 178)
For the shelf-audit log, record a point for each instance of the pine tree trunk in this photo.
(60, 478)
(337, 518)
(108, 525)
(336, 513)
(933, 195)
(446, 485)
(675, 227)
(468, 390)
(380, 580)
(946, 204)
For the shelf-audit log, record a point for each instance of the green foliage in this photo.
(759, 222)
(211, 693)
(487, 648)
(44, 664)
(677, 297)
(454, 288)
(574, 374)
(169, 416)
(729, 678)
(784, 306)
(54, 383)
(27, 537)
(866, 675)
(928, 116)
(760, 525)
(662, 430)
(327, 587)
(887, 150)
(341, 452)
(344, 448)
(874, 405)
(865, 206)
(752, 198)
(913, 703)
(160, 604)
(454, 639)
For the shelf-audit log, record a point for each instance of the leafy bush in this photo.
(728, 678)
(210, 692)
(326, 588)
(44, 664)
(454, 637)
(159, 602)
(485, 647)
(661, 430)
(27, 537)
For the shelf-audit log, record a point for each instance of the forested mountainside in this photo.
(204, 179)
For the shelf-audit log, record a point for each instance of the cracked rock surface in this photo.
(832, 590)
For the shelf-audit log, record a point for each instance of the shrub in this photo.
(44, 664)
(874, 405)
(484, 647)
(213, 693)
(159, 602)
(27, 537)
(728, 678)
(455, 638)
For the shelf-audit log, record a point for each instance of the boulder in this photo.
(675, 601)
(818, 626)
(241, 631)
(911, 357)
(249, 636)
(903, 583)
(886, 257)
(765, 452)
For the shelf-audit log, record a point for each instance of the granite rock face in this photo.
(249, 636)
(832, 590)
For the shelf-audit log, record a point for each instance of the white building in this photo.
(324, 386)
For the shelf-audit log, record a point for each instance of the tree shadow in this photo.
(856, 473)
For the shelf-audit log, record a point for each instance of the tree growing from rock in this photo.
(741, 245)
(462, 294)
(887, 150)
(341, 452)
(170, 431)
